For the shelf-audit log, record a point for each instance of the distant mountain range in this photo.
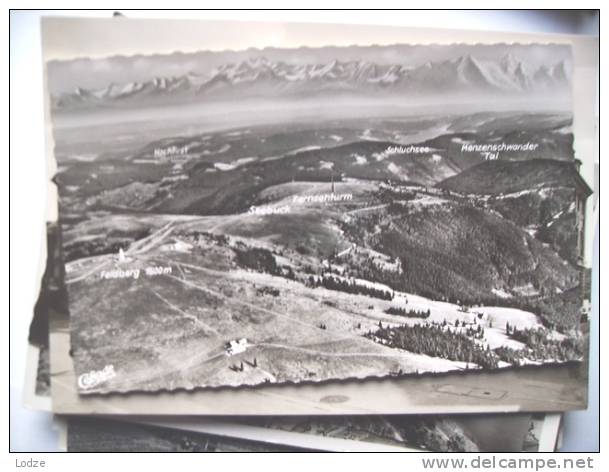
(260, 78)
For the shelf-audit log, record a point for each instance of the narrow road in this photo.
(151, 240)
(92, 271)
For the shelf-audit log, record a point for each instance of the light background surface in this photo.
(32, 431)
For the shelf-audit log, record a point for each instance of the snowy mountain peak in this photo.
(257, 76)
(510, 63)
(560, 71)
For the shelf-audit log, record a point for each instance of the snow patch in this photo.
(220, 150)
(395, 169)
(224, 166)
(367, 135)
(359, 159)
(501, 293)
(458, 140)
(302, 149)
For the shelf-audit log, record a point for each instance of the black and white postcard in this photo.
(477, 433)
(91, 434)
(406, 433)
(253, 216)
(556, 388)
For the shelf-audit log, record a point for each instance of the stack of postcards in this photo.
(338, 238)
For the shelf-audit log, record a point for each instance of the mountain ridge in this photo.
(509, 176)
(260, 77)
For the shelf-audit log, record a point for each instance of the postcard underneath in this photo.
(287, 215)
(357, 434)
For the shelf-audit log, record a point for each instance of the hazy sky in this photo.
(68, 38)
